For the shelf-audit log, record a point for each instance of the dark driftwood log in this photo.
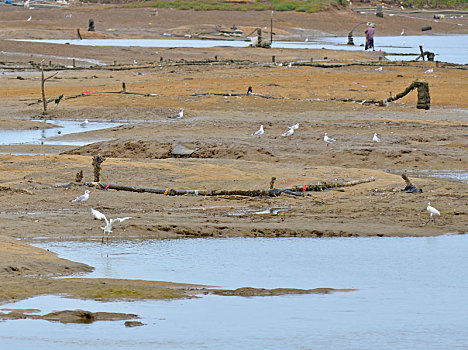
(248, 193)
(324, 185)
(405, 177)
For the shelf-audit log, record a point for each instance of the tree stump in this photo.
(424, 98)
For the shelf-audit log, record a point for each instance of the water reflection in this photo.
(41, 136)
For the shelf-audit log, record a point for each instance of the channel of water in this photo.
(448, 48)
(411, 295)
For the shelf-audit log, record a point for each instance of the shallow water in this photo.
(42, 136)
(412, 295)
(448, 48)
(455, 174)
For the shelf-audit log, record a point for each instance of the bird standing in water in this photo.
(109, 223)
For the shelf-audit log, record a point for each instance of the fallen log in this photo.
(274, 192)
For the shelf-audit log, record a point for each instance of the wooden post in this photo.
(271, 28)
(273, 59)
(43, 80)
(44, 102)
(79, 34)
(259, 36)
(422, 52)
(74, 63)
(97, 161)
(124, 87)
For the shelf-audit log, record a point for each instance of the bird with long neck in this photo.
(109, 223)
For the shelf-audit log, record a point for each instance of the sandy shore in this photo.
(230, 158)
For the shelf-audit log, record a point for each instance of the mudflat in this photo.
(318, 90)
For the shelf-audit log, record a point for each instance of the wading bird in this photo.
(433, 212)
(83, 198)
(109, 223)
(375, 138)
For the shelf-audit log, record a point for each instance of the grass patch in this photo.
(257, 5)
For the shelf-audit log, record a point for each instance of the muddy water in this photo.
(412, 294)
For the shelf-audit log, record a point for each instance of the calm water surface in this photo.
(43, 136)
(448, 48)
(412, 295)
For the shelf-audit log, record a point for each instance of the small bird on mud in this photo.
(295, 126)
(327, 139)
(30, 18)
(429, 71)
(379, 69)
(376, 138)
(83, 198)
(249, 91)
(288, 133)
(178, 115)
(433, 212)
(85, 123)
(402, 31)
(109, 223)
(259, 131)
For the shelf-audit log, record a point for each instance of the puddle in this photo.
(65, 58)
(273, 211)
(448, 48)
(51, 136)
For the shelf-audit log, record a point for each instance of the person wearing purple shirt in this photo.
(370, 36)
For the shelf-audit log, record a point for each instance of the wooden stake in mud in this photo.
(79, 176)
(97, 161)
(79, 34)
(43, 80)
(271, 28)
(272, 183)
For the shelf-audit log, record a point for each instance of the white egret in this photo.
(379, 69)
(433, 212)
(376, 138)
(431, 70)
(109, 223)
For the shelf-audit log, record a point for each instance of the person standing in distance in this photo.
(370, 36)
